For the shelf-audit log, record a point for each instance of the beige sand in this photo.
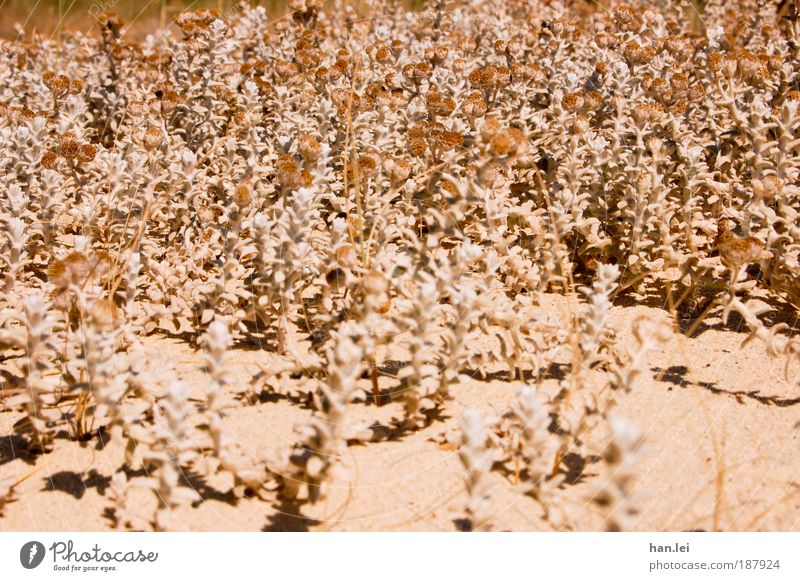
(721, 452)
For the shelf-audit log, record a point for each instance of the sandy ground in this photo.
(721, 452)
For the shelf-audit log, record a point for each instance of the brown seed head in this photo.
(288, 173)
(419, 131)
(382, 54)
(169, 101)
(49, 160)
(367, 165)
(661, 90)
(309, 148)
(450, 140)
(110, 22)
(61, 85)
(474, 105)
(572, 101)
(502, 77)
(680, 85)
(416, 72)
(503, 144)
(602, 40)
(48, 78)
(626, 17)
(72, 269)
(449, 187)
(635, 54)
(488, 77)
(679, 107)
(87, 153)
(476, 78)
(242, 196)
(440, 106)
(417, 147)
(70, 148)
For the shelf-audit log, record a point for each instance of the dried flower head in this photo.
(50, 160)
(242, 196)
(87, 153)
(70, 148)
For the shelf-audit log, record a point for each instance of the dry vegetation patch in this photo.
(486, 266)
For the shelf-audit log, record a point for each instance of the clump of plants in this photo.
(373, 203)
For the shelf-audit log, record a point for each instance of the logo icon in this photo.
(31, 554)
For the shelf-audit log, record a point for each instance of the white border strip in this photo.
(404, 556)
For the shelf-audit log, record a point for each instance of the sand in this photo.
(721, 452)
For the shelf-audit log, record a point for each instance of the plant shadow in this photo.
(76, 484)
(676, 375)
(15, 447)
(287, 519)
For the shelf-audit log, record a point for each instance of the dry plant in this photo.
(477, 461)
(614, 495)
